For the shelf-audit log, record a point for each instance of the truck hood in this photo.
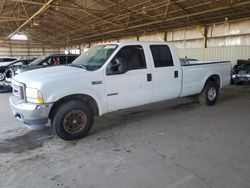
(36, 78)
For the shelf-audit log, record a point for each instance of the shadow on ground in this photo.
(28, 141)
(35, 139)
(227, 95)
(124, 117)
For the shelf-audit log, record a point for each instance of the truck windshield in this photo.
(95, 57)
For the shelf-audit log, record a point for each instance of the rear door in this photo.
(165, 74)
(132, 88)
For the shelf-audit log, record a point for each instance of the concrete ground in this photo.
(173, 144)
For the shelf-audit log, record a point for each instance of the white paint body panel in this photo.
(195, 76)
(128, 90)
(125, 90)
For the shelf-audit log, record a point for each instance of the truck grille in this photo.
(18, 89)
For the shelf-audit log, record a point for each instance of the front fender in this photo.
(62, 92)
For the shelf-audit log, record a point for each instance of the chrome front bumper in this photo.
(30, 114)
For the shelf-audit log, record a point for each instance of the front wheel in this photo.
(72, 120)
(209, 94)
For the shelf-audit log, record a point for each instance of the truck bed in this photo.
(195, 73)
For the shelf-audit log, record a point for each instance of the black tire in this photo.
(205, 97)
(71, 115)
(236, 83)
(10, 73)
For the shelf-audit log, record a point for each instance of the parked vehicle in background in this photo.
(5, 60)
(241, 72)
(243, 61)
(49, 60)
(13, 66)
(41, 62)
(110, 77)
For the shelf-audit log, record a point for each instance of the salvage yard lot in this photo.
(173, 144)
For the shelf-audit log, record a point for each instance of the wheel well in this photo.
(85, 98)
(214, 78)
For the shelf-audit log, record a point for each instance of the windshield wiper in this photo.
(78, 65)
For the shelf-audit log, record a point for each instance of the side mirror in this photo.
(45, 64)
(117, 66)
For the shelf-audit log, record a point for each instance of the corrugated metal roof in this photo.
(63, 22)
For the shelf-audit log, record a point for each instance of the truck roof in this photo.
(138, 42)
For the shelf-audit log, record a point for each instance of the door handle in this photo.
(176, 74)
(149, 77)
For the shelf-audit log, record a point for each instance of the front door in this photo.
(127, 83)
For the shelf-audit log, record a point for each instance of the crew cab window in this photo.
(161, 55)
(128, 58)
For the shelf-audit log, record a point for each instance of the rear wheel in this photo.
(209, 94)
(72, 120)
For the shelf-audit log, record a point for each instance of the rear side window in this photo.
(161, 55)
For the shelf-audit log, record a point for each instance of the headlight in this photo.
(34, 95)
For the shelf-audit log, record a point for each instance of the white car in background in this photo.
(6, 60)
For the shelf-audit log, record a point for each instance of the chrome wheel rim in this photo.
(211, 95)
(74, 121)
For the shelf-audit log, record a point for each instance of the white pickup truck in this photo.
(110, 77)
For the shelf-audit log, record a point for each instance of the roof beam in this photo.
(68, 18)
(24, 8)
(10, 18)
(182, 8)
(2, 7)
(96, 16)
(64, 6)
(167, 9)
(168, 19)
(94, 22)
(128, 9)
(13, 10)
(43, 8)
